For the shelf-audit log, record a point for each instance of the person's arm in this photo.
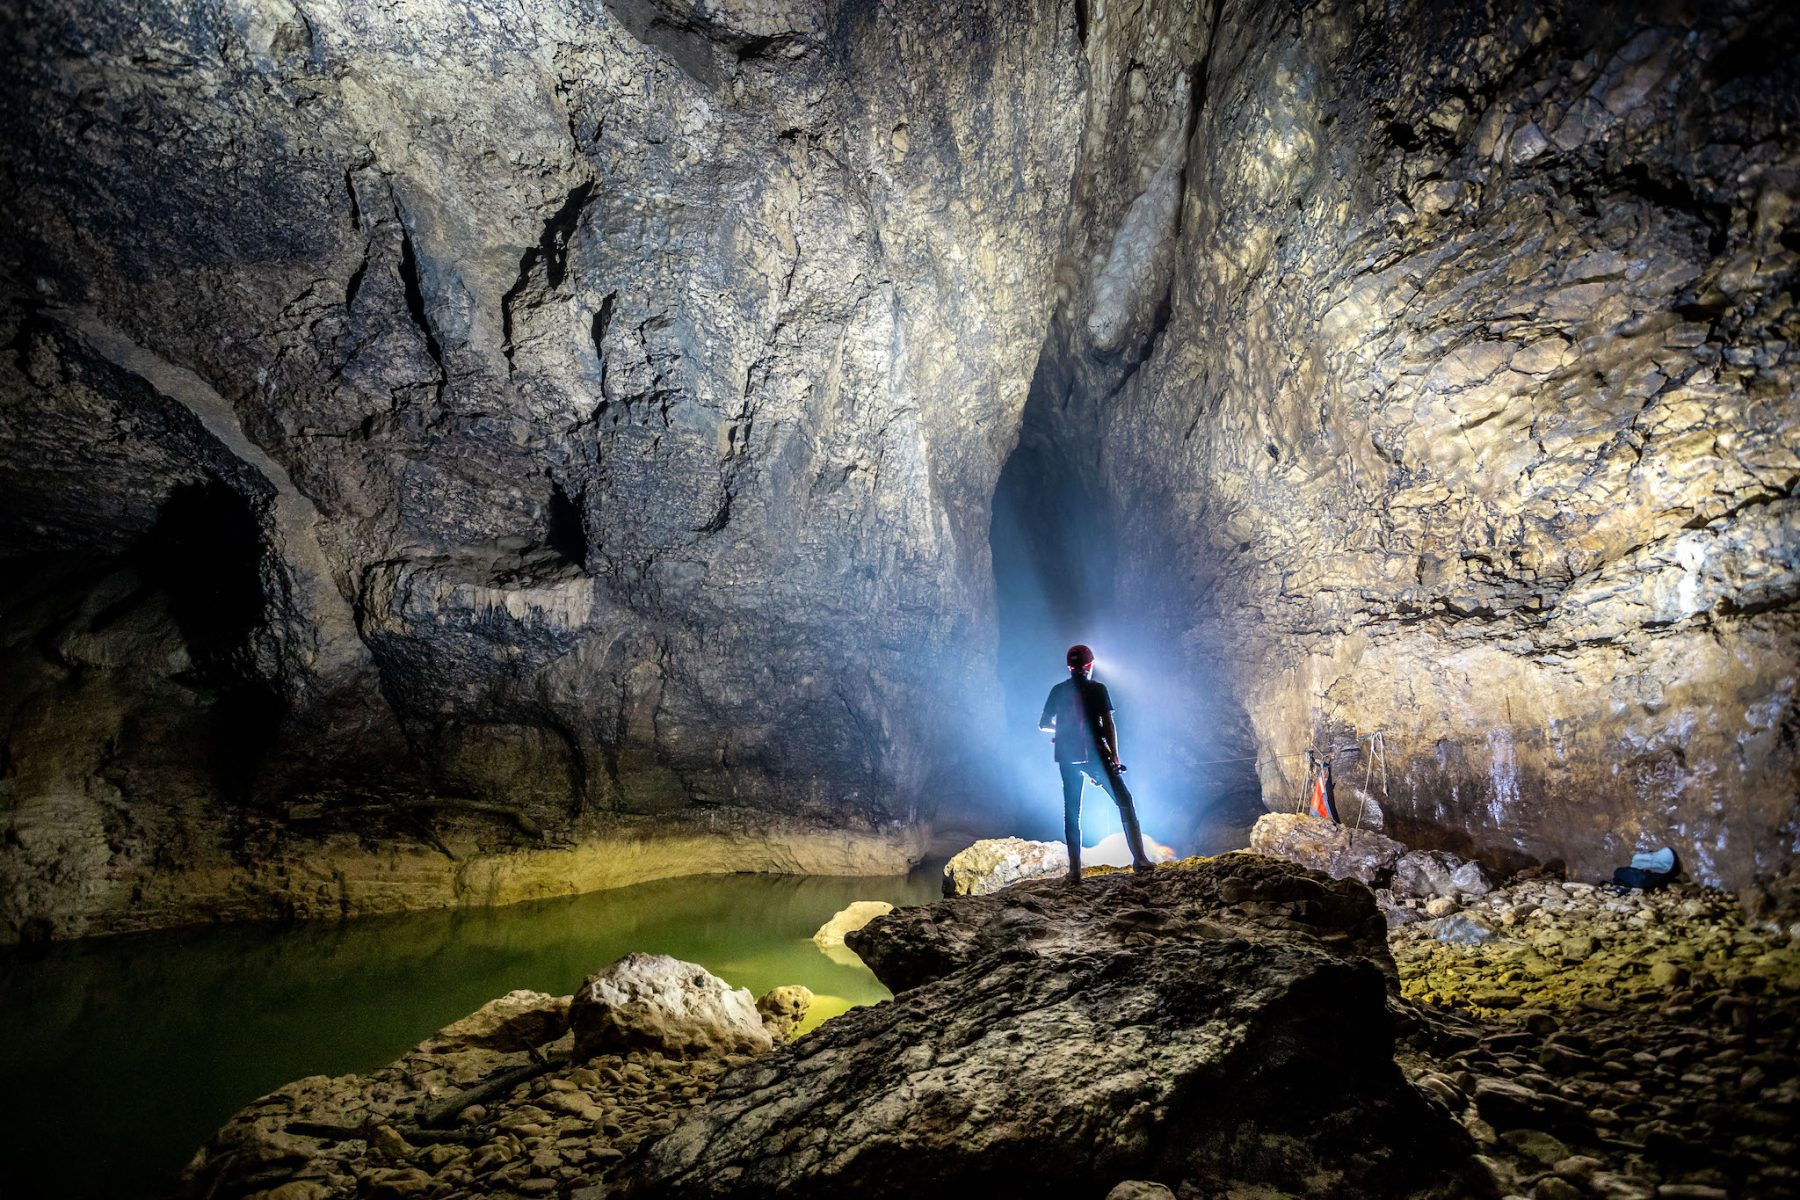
(1109, 737)
(1046, 720)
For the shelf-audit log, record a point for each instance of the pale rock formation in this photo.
(783, 1009)
(1470, 881)
(1138, 1189)
(1339, 851)
(994, 863)
(1460, 929)
(1111, 851)
(858, 914)
(655, 1002)
(1425, 873)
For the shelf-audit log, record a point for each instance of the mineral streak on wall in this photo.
(591, 411)
(1461, 404)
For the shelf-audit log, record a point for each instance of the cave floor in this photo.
(1623, 1046)
(1636, 1047)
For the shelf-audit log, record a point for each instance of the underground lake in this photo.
(122, 1054)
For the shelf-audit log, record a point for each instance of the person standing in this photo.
(1079, 713)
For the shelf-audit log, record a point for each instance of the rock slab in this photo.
(655, 1002)
(1052, 1041)
(516, 1021)
(993, 863)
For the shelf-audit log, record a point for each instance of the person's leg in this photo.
(1072, 780)
(1114, 783)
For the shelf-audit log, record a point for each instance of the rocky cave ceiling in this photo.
(597, 409)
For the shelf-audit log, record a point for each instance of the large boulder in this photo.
(1336, 850)
(993, 863)
(1470, 880)
(1434, 873)
(654, 1002)
(1052, 1041)
(860, 913)
(1425, 873)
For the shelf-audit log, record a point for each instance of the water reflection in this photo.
(120, 1056)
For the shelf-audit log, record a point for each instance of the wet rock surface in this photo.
(1614, 1046)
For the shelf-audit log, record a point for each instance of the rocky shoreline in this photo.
(1588, 1045)
(286, 872)
(1625, 1046)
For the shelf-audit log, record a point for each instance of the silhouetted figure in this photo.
(1079, 712)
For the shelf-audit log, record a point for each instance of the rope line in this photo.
(1263, 758)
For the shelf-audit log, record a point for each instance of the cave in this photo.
(536, 539)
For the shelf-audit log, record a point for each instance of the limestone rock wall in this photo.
(1455, 398)
(614, 393)
(586, 412)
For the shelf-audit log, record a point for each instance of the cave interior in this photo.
(454, 455)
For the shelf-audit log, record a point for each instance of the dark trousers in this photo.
(1074, 776)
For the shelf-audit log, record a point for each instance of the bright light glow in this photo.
(1111, 851)
(1057, 585)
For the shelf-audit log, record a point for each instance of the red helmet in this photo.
(1079, 657)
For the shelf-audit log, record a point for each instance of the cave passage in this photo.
(1054, 540)
(205, 554)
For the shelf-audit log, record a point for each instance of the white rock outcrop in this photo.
(1111, 851)
(655, 1002)
(992, 863)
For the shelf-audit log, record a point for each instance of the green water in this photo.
(120, 1056)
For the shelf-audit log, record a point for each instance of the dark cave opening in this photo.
(567, 532)
(205, 553)
(1055, 544)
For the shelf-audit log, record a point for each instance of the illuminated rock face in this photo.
(615, 393)
(1457, 399)
(603, 404)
